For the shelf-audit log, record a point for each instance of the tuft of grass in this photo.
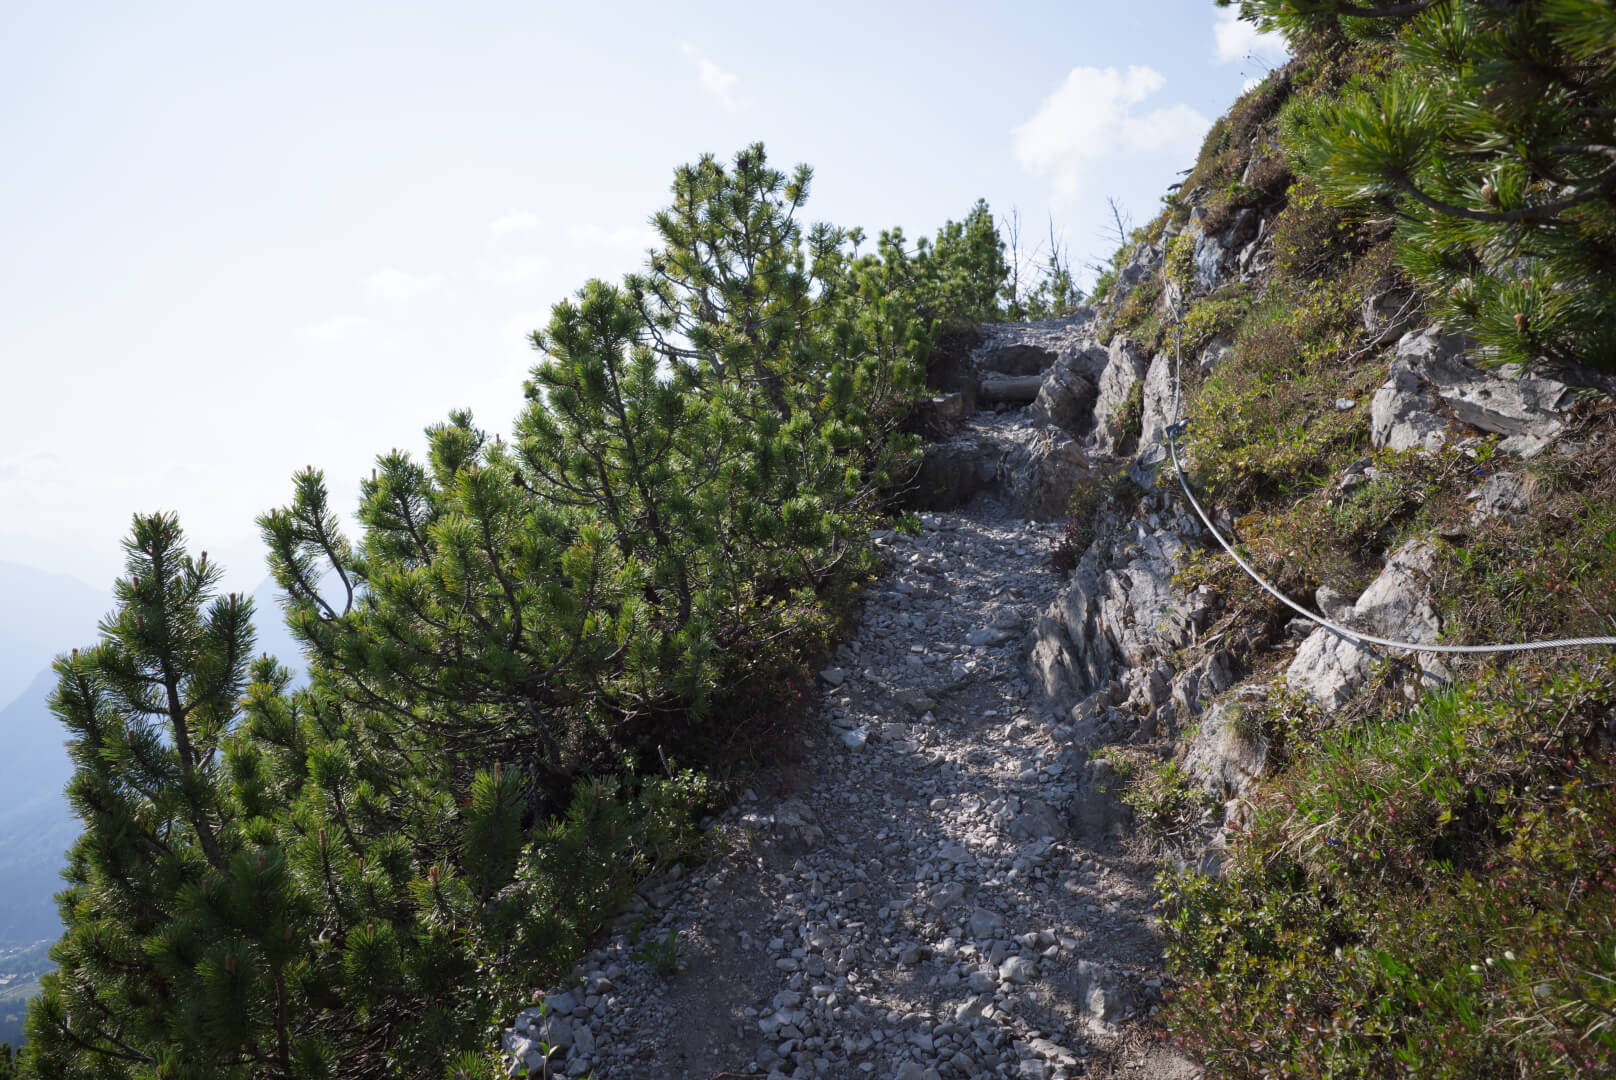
(662, 954)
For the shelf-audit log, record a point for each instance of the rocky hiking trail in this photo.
(945, 884)
(937, 889)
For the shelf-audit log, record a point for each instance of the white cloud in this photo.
(512, 221)
(514, 270)
(337, 330)
(398, 286)
(1235, 39)
(635, 238)
(718, 82)
(1091, 119)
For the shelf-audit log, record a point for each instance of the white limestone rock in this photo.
(1328, 667)
(1434, 388)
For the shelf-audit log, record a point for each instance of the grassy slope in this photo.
(1418, 888)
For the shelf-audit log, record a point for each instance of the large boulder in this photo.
(1120, 608)
(1388, 314)
(1228, 752)
(1097, 813)
(1053, 666)
(1125, 366)
(1157, 416)
(1507, 495)
(1028, 348)
(1106, 996)
(1040, 473)
(1328, 667)
(1216, 253)
(954, 471)
(1015, 357)
(1144, 260)
(1066, 400)
(1434, 389)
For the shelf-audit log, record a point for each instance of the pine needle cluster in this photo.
(1490, 138)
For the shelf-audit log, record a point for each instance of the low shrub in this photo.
(1432, 896)
(1166, 801)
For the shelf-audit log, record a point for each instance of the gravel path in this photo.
(910, 902)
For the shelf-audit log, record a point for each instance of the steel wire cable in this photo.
(1176, 428)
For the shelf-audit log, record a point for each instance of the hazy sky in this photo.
(239, 240)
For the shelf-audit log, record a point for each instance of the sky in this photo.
(242, 240)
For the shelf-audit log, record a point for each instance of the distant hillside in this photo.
(35, 826)
(42, 614)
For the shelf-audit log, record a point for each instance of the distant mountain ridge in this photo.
(42, 614)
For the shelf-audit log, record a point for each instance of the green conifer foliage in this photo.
(276, 884)
(698, 460)
(1492, 140)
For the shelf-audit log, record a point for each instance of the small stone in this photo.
(987, 637)
(1017, 970)
(834, 675)
(1344, 404)
(855, 739)
(984, 924)
(558, 1032)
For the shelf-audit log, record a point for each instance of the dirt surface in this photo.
(913, 899)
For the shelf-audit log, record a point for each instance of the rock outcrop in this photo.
(1329, 667)
(1435, 391)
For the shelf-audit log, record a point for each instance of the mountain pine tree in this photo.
(1492, 141)
(269, 884)
(700, 455)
